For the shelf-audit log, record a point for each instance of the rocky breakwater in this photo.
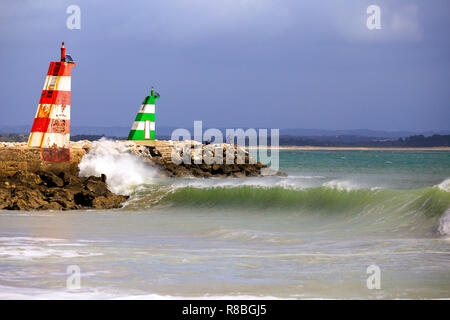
(193, 159)
(28, 183)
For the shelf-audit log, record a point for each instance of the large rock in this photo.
(43, 190)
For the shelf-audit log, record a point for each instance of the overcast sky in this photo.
(234, 63)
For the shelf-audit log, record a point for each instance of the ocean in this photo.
(316, 234)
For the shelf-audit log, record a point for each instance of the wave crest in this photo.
(445, 185)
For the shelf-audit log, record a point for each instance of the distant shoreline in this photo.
(360, 148)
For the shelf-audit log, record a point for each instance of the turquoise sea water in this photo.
(312, 234)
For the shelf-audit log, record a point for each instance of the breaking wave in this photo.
(297, 195)
(424, 209)
(444, 224)
(445, 185)
(429, 200)
(124, 170)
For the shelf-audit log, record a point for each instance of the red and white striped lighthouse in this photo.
(51, 127)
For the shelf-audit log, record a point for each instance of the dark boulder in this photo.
(43, 190)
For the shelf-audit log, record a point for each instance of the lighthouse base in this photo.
(56, 154)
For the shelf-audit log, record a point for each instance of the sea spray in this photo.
(124, 170)
(444, 224)
(445, 185)
(342, 185)
(444, 221)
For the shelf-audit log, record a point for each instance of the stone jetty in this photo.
(28, 183)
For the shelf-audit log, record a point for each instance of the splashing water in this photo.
(124, 170)
(445, 185)
(444, 224)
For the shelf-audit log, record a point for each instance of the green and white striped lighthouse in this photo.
(144, 125)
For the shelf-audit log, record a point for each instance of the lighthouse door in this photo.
(147, 129)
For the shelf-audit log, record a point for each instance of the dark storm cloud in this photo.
(310, 64)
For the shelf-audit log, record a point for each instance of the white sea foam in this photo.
(123, 169)
(13, 293)
(237, 182)
(31, 253)
(445, 185)
(295, 182)
(32, 248)
(290, 182)
(349, 185)
(343, 185)
(444, 224)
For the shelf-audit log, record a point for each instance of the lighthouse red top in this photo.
(63, 52)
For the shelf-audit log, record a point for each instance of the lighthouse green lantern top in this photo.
(151, 99)
(144, 125)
